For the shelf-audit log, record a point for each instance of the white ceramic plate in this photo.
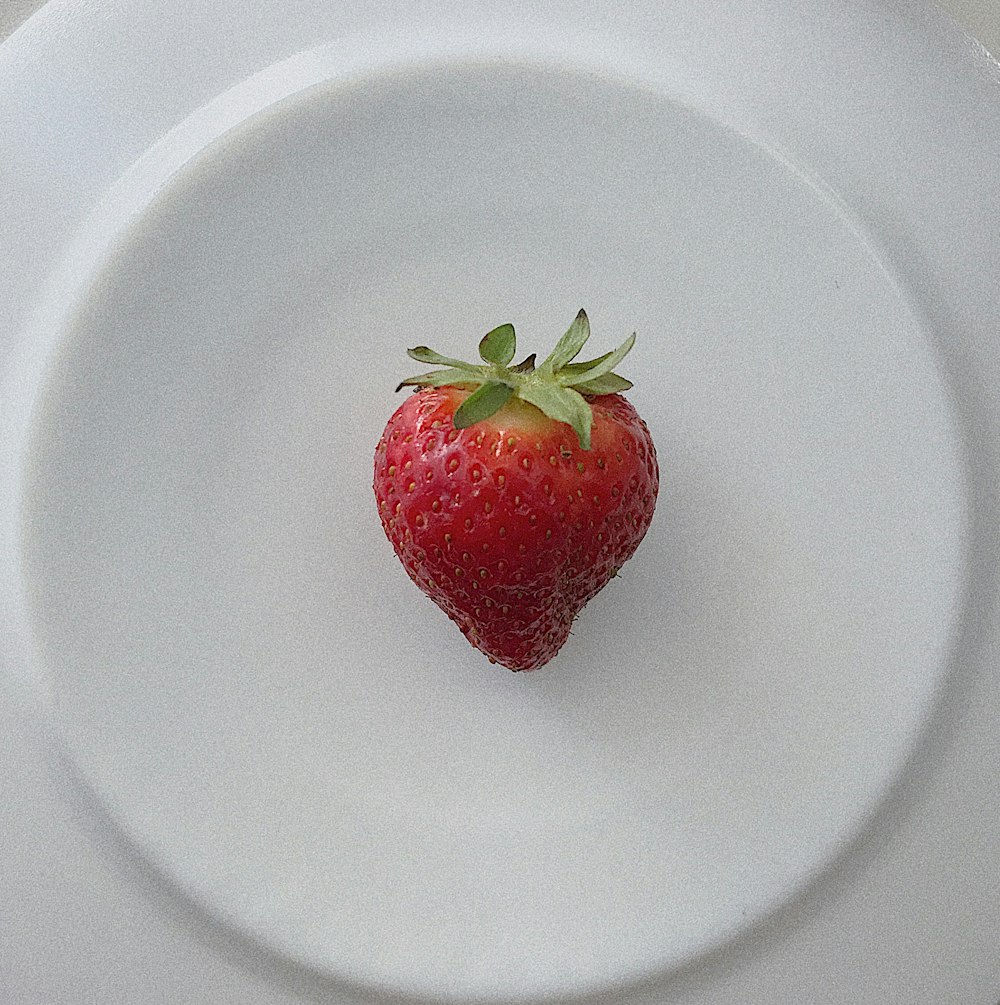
(763, 749)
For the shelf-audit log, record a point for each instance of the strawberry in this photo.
(513, 494)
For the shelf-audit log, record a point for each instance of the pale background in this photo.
(980, 17)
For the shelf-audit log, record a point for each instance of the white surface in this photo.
(708, 739)
(830, 517)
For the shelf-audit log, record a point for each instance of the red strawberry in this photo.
(513, 494)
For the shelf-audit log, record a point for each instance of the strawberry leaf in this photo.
(557, 387)
(499, 345)
(424, 355)
(569, 345)
(610, 383)
(438, 378)
(606, 365)
(482, 403)
(578, 368)
(561, 404)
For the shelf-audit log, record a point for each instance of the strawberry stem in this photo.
(557, 387)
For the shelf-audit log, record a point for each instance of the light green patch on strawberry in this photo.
(485, 401)
(556, 387)
(562, 404)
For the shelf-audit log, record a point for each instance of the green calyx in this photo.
(556, 387)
